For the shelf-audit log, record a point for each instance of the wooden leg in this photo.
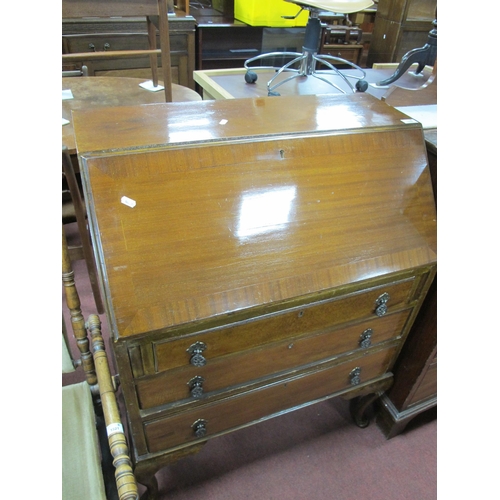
(145, 471)
(147, 478)
(153, 58)
(358, 407)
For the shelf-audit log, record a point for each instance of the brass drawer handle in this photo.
(196, 386)
(355, 376)
(200, 428)
(381, 304)
(197, 359)
(365, 339)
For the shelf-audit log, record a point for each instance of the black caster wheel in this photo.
(361, 85)
(250, 76)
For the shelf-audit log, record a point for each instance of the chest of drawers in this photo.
(255, 256)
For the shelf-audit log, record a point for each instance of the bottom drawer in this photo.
(210, 420)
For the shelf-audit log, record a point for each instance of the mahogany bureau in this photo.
(255, 256)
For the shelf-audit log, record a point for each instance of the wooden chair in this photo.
(155, 12)
(93, 441)
(73, 210)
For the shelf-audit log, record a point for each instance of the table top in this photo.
(230, 83)
(95, 91)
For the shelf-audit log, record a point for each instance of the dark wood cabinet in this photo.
(415, 373)
(400, 26)
(252, 265)
(100, 34)
(225, 43)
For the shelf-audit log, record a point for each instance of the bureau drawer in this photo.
(261, 403)
(191, 382)
(309, 318)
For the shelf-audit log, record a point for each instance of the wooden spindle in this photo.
(77, 320)
(125, 480)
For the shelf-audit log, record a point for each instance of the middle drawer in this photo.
(196, 382)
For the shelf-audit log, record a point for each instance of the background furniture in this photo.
(342, 41)
(128, 33)
(182, 5)
(227, 43)
(93, 441)
(98, 34)
(419, 56)
(224, 42)
(230, 84)
(309, 62)
(400, 26)
(245, 275)
(357, 30)
(415, 373)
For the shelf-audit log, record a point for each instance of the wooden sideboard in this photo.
(99, 34)
(255, 256)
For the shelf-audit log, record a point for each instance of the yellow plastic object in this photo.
(269, 13)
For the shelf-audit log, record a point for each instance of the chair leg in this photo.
(165, 49)
(91, 268)
(153, 58)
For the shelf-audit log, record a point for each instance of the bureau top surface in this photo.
(184, 122)
(195, 218)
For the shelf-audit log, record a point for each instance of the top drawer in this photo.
(308, 318)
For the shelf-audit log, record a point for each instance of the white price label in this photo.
(114, 429)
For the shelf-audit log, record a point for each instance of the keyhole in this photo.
(282, 153)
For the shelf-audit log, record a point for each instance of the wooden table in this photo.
(230, 83)
(91, 92)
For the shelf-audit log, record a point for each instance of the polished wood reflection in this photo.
(224, 224)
